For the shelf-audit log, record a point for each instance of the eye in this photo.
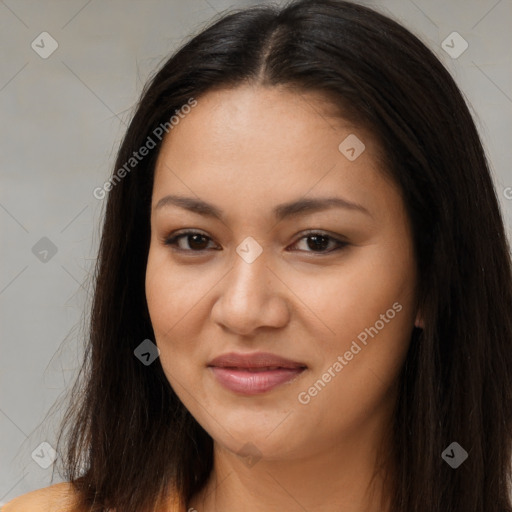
(318, 241)
(198, 242)
(194, 239)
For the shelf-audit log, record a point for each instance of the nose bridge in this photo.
(250, 277)
(250, 296)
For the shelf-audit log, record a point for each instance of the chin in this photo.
(256, 437)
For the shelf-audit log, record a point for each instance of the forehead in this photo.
(268, 122)
(257, 144)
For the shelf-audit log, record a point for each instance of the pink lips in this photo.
(252, 374)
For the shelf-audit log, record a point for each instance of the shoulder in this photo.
(61, 497)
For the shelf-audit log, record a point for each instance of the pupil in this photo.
(195, 237)
(317, 244)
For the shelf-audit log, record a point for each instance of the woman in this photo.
(303, 292)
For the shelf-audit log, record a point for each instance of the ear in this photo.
(418, 322)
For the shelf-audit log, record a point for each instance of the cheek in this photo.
(172, 291)
(174, 298)
(368, 305)
(351, 297)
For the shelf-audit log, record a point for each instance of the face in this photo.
(330, 288)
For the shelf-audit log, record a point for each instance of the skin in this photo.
(246, 150)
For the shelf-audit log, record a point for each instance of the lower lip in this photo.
(254, 383)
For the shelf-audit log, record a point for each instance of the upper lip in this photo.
(255, 360)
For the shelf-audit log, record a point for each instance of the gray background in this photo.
(62, 120)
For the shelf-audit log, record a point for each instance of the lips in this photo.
(252, 374)
(257, 360)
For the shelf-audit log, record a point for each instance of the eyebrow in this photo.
(282, 211)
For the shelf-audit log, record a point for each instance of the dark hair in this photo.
(129, 438)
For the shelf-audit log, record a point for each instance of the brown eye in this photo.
(318, 242)
(196, 242)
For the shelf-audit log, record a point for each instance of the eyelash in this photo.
(172, 241)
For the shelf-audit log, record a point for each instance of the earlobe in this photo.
(419, 322)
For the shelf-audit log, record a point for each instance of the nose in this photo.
(251, 297)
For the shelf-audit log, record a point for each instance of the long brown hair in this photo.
(129, 438)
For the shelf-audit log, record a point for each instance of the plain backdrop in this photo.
(62, 118)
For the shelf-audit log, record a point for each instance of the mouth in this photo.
(253, 374)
